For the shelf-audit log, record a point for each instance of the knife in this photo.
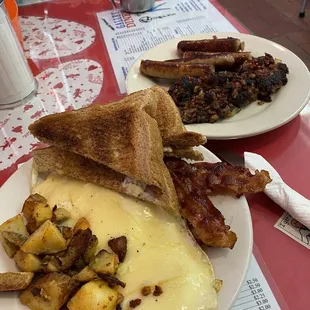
(230, 157)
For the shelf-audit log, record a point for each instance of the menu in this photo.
(255, 293)
(128, 36)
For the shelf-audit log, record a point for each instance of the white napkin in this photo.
(291, 201)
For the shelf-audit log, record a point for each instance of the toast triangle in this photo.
(124, 137)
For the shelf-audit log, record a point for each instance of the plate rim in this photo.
(242, 36)
(206, 152)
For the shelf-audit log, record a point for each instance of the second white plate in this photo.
(254, 119)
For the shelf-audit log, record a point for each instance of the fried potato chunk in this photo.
(47, 239)
(86, 275)
(27, 261)
(30, 203)
(50, 263)
(61, 215)
(41, 213)
(95, 295)
(104, 262)
(15, 281)
(16, 225)
(48, 292)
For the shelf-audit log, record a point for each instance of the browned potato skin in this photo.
(15, 281)
(119, 247)
(91, 249)
(82, 224)
(76, 248)
(211, 45)
(48, 292)
(174, 70)
(111, 280)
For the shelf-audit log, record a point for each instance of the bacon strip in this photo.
(220, 178)
(205, 222)
(193, 183)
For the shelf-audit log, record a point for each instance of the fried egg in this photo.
(160, 251)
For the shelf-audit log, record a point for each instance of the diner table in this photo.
(66, 51)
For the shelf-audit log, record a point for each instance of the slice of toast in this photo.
(188, 153)
(71, 164)
(124, 137)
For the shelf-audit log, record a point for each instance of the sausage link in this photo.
(174, 70)
(239, 58)
(215, 60)
(211, 45)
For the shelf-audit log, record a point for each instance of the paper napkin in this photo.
(283, 195)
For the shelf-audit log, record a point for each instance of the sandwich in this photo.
(117, 146)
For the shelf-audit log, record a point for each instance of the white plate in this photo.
(254, 119)
(229, 265)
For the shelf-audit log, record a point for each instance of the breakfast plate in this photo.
(254, 119)
(229, 265)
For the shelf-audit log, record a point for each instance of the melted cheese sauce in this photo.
(159, 251)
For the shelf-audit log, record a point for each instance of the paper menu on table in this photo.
(255, 293)
(128, 36)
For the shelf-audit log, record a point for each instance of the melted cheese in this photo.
(159, 251)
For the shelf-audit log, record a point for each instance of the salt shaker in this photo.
(17, 83)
